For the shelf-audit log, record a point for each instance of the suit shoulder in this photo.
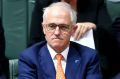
(86, 53)
(83, 49)
(79, 46)
(33, 50)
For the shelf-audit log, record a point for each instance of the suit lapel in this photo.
(47, 64)
(73, 63)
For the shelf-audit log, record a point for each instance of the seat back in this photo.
(16, 17)
(113, 7)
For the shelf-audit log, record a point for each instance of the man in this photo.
(3, 59)
(91, 14)
(116, 29)
(2, 40)
(116, 34)
(41, 60)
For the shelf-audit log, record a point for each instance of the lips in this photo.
(57, 39)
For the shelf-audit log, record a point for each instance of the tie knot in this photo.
(59, 57)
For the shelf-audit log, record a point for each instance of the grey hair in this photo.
(64, 6)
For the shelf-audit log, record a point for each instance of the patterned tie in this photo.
(59, 70)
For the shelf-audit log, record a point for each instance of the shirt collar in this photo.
(53, 53)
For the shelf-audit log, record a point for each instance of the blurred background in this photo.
(16, 18)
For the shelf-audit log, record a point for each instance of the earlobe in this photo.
(43, 28)
(74, 28)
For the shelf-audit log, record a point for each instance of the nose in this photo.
(57, 31)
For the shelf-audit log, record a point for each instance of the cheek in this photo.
(48, 36)
(67, 36)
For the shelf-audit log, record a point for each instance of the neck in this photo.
(59, 49)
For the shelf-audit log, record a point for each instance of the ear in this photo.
(74, 27)
(43, 28)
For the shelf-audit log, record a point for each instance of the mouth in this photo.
(57, 39)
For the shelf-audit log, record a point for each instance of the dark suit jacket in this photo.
(3, 59)
(116, 29)
(2, 40)
(2, 46)
(88, 11)
(116, 34)
(82, 63)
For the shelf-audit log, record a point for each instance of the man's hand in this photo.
(82, 28)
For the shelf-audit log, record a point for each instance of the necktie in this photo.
(59, 70)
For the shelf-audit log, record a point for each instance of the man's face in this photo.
(58, 29)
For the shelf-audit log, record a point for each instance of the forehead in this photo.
(58, 14)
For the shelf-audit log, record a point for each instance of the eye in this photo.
(52, 25)
(64, 26)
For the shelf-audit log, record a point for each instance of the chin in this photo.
(57, 44)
